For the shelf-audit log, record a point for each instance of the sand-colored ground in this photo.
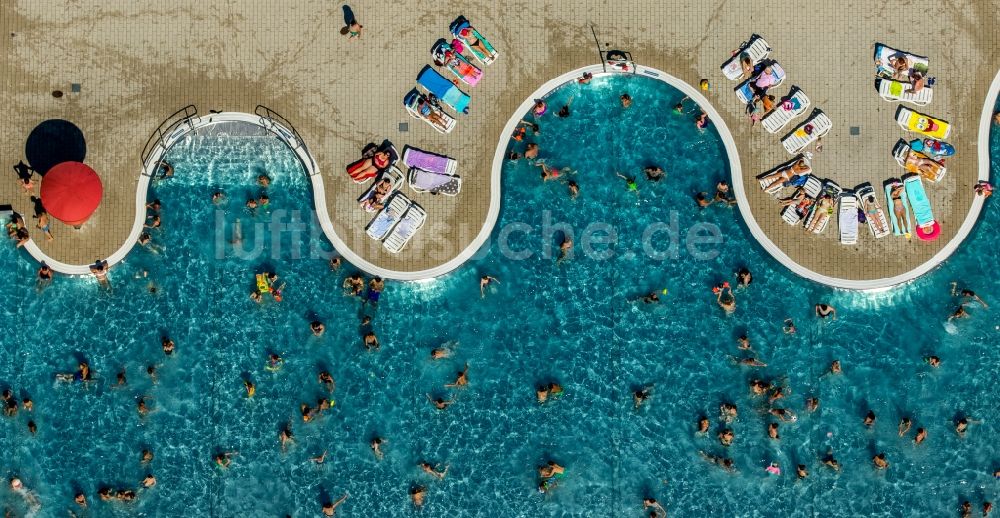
(138, 62)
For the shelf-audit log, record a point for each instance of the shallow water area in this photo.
(567, 321)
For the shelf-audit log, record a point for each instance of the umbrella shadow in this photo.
(52, 142)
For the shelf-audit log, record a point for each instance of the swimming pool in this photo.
(546, 321)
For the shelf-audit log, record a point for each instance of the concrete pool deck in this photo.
(138, 63)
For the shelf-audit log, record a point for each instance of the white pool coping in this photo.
(736, 171)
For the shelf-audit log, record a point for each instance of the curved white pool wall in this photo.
(152, 164)
(499, 158)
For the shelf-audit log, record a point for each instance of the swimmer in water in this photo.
(330, 508)
(565, 248)
(828, 460)
(440, 353)
(286, 436)
(743, 277)
(629, 183)
(440, 403)
(376, 447)
(371, 342)
(327, 381)
(702, 199)
(427, 468)
(967, 295)
(317, 328)
(462, 378)
(651, 502)
(921, 435)
(801, 472)
(723, 462)
(743, 343)
(824, 310)
(417, 494)
(933, 361)
(626, 100)
(703, 425)
(834, 368)
(640, 396)
(574, 189)
(904, 426)
(168, 345)
(789, 327)
(149, 481)
(879, 461)
(224, 459)
(146, 457)
(335, 263)
(749, 362)
(772, 431)
(959, 313)
(250, 388)
(485, 281)
(726, 437)
(727, 412)
(869, 420)
(274, 362)
(724, 297)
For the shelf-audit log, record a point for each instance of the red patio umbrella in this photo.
(71, 192)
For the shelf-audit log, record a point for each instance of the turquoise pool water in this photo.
(567, 322)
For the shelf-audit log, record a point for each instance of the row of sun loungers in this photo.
(433, 89)
(396, 223)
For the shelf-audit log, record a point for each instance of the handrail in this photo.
(281, 126)
(166, 128)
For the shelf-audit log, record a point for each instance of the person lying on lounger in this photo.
(471, 40)
(429, 112)
(450, 59)
(897, 208)
(371, 166)
(374, 201)
(871, 211)
(924, 165)
(798, 198)
(824, 207)
(785, 173)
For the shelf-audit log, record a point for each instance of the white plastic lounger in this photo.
(386, 220)
(395, 177)
(407, 227)
(884, 55)
(895, 91)
(755, 48)
(818, 125)
(917, 162)
(772, 184)
(848, 219)
(874, 214)
(744, 92)
(445, 123)
(833, 190)
(789, 108)
(812, 189)
(434, 183)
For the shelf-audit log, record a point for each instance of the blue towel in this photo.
(918, 200)
(444, 89)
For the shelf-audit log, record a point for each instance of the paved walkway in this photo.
(136, 63)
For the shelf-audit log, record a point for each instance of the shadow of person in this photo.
(52, 142)
(348, 16)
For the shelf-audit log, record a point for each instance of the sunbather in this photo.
(925, 165)
(371, 166)
(469, 35)
(451, 60)
(429, 112)
(897, 208)
(871, 212)
(747, 65)
(785, 174)
(823, 211)
(374, 201)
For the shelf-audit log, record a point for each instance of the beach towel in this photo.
(444, 89)
(425, 181)
(427, 161)
(927, 228)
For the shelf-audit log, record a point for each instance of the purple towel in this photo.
(419, 159)
(429, 181)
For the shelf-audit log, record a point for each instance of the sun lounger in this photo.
(466, 33)
(919, 163)
(819, 219)
(847, 219)
(793, 214)
(923, 124)
(927, 229)
(755, 48)
(446, 56)
(356, 169)
(428, 161)
(793, 105)
(388, 217)
(444, 89)
(395, 177)
(884, 68)
(874, 214)
(443, 122)
(895, 91)
(434, 183)
(818, 125)
(405, 229)
(773, 185)
(744, 92)
(897, 228)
